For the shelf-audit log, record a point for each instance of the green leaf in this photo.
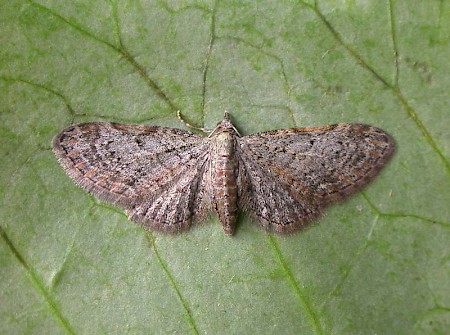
(377, 264)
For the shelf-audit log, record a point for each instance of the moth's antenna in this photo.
(187, 124)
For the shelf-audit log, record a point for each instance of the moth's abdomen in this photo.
(224, 181)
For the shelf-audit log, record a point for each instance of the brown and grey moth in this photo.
(167, 179)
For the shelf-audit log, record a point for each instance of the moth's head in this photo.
(225, 126)
(225, 123)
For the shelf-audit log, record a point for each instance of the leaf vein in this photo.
(303, 298)
(396, 90)
(122, 51)
(55, 309)
(173, 283)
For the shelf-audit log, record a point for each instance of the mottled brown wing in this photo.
(139, 168)
(287, 177)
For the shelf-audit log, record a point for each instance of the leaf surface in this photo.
(377, 264)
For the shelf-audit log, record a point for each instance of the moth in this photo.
(167, 179)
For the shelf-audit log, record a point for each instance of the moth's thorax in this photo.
(224, 167)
